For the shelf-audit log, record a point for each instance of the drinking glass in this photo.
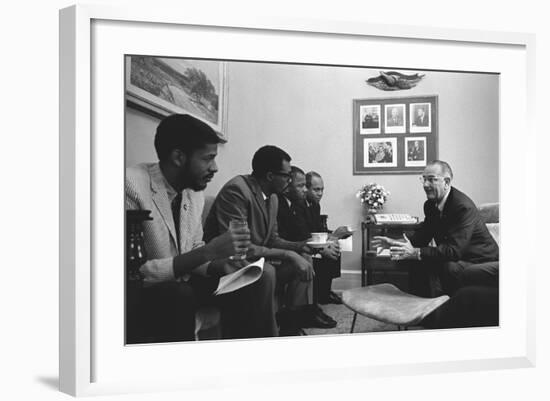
(235, 225)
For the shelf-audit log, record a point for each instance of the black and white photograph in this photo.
(420, 117)
(396, 106)
(370, 119)
(395, 119)
(380, 152)
(241, 236)
(415, 151)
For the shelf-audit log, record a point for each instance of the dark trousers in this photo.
(250, 311)
(165, 312)
(325, 271)
(470, 306)
(433, 279)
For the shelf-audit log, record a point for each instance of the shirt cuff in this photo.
(157, 271)
(202, 270)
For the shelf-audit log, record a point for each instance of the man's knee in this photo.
(169, 291)
(481, 274)
(268, 278)
(451, 276)
(453, 269)
(181, 296)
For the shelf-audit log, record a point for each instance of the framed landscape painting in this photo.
(167, 85)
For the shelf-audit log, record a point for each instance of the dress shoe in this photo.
(318, 322)
(291, 319)
(334, 298)
(317, 318)
(291, 331)
(322, 315)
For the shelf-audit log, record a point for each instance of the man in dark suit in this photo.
(295, 224)
(292, 222)
(254, 198)
(326, 267)
(371, 120)
(415, 152)
(396, 117)
(421, 118)
(465, 252)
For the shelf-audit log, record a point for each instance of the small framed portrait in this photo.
(380, 152)
(395, 119)
(420, 116)
(415, 152)
(370, 119)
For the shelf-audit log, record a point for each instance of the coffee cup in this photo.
(319, 237)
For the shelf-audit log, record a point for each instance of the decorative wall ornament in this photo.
(394, 81)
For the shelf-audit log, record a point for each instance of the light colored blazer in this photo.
(147, 189)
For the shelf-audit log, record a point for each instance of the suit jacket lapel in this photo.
(259, 197)
(161, 201)
(447, 204)
(271, 213)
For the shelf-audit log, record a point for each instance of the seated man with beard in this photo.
(253, 198)
(182, 272)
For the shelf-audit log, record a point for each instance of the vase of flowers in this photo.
(373, 197)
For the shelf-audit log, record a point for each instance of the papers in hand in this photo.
(241, 278)
(346, 245)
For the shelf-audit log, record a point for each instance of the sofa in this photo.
(490, 215)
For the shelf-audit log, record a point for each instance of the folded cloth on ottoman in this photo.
(387, 303)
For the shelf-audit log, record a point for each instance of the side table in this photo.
(377, 268)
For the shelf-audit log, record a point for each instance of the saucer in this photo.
(314, 244)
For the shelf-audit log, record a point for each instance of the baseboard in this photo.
(343, 271)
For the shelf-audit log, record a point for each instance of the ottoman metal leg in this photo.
(353, 322)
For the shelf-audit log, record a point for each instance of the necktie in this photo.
(267, 202)
(176, 208)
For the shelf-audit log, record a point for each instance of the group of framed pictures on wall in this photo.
(394, 135)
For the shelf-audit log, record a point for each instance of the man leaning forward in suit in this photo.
(253, 198)
(295, 224)
(465, 253)
(182, 272)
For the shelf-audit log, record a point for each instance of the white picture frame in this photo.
(86, 366)
(420, 123)
(380, 152)
(368, 125)
(395, 119)
(415, 151)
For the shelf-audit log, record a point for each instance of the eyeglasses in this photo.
(287, 176)
(430, 179)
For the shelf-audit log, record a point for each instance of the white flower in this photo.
(373, 195)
